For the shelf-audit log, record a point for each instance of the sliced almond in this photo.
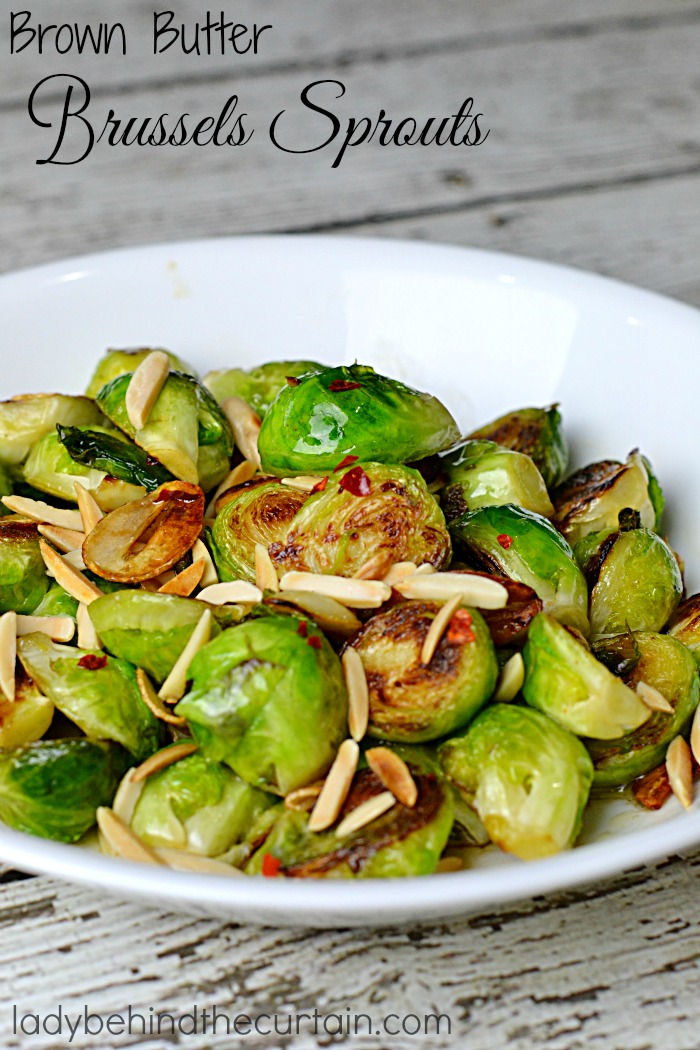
(426, 569)
(695, 735)
(185, 582)
(437, 629)
(72, 580)
(173, 688)
(510, 680)
(304, 482)
(375, 568)
(144, 387)
(335, 787)
(183, 860)
(449, 864)
(75, 559)
(441, 586)
(121, 840)
(394, 775)
(128, 794)
(245, 424)
(238, 476)
(37, 510)
(330, 615)
(8, 653)
(399, 571)
(302, 799)
(163, 759)
(58, 628)
(265, 571)
(200, 553)
(154, 703)
(365, 813)
(90, 512)
(356, 594)
(64, 539)
(680, 771)
(230, 593)
(358, 693)
(653, 699)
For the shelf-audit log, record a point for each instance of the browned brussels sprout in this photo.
(484, 474)
(24, 420)
(537, 433)
(685, 625)
(23, 579)
(509, 625)
(592, 498)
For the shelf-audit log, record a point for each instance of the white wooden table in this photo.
(593, 159)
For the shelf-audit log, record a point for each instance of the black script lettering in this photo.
(306, 101)
(83, 126)
(64, 38)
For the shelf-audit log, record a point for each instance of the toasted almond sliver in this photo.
(441, 586)
(128, 794)
(653, 699)
(304, 482)
(399, 571)
(185, 582)
(449, 864)
(144, 387)
(680, 771)
(37, 510)
(356, 594)
(437, 629)
(238, 476)
(74, 559)
(695, 735)
(302, 799)
(375, 568)
(265, 571)
(365, 813)
(154, 703)
(163, 759)
(8, 653)
(64, 539)
(87, 507)
(245, 424)
(358, 693)
(426, 569)
(200, 553)
(173, 688)
(58, 628)
(230, 593)
(121, 840)
(183, 860)
(329, 614)
(394, 775)
(72, 580)
(510, 680)
(335, 787)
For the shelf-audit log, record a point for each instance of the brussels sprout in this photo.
(527, 779)
(97, 692)
(537, 433)
(52, 788)
(666, 665)
(592, 498)
(23, 579)
(401, 842)
(258, 386)
(57, 602)
(563, 679)
(197, 805)
(113, 454)
(372, 511)
(5, 489)
(24, 420)
(509, 625)
(27, 717)
(412, 702)
(117, 363)
(311, 427)
(685, 625)
(525, 546)
(634, 579)
(484, 474)
(259, 511)
(269, 700)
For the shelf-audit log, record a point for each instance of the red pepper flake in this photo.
(460, 630)
(270, 865)
(293, 381)
(356, 482)
(319, 486)
(505, 540)
(345, 462)
(92, 662)
(339, 385)
(303, 629)
(314, 641)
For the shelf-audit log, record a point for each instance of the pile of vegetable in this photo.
(289, 622)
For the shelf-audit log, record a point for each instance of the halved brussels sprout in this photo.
(27, 717)
(411, 702)
(337, 412)
(527, 778)
(563, 679)
(685, 625)
(117, 363)
(57, 602)
(536, 432)
(97, 692)
(52, 788)
(111, 452)
(484, 474)
(23, 579)
(514, 542)
(592, 498)
(666, 665)
(268, 699)
(259, 511)
(257, 386)
(371, 511)
(25, 420)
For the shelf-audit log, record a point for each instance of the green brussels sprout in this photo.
(400, 842)
(52, 788)
(113, 454)
(57, 602)
(257, 386)
(97, 692)
(117, 363)
(592, 498)
(311, 427)
(258, 511)
(537, 433)
(634, 580)
(412, 702)
(5, 489)
(527, 778)
(514, 542)
(484, 474)
(685, 625)
(197, 805)
(27, 717)
(268, 699)
(23, 579)
(372, 511)
(666, 665)
(564, 679)
(24, 420)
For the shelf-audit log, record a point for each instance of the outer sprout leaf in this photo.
(114, 455)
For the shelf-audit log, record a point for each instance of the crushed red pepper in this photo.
(339, 385)
(92, 662)
(356, 482)
(345, 462)
(270, 865)
(293, 381)
(319, 486)
(505, 540)
(460, 630)
(302, 629)
(314, 641)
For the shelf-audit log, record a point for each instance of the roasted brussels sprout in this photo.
(25, 420)
(113, 454)
(27, 717)
(117, 363)
(268, 699)
(97, 692)
(509, 625)
(667, 666)
(685, 625)
(257, 386)
(57, 602)
(371, 511)
(259, 511)
(52, 788)
(563, 679)
(484, 474)
(537, 433)
(351, 411)
(592, 498)
(5, 489)
(527, 778)
(413, 702)
(525, 546)
(23, 579)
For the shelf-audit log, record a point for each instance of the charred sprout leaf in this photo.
(666, 665)
(527, 778)
(536, 432)
(591, 499)
(257, 386)
(25, 420)
(526, 547)
(565, 681)
(369, 511)
(351, 411)
(484, 474)
(117, 363)
(269, 700)
(413, 703)
(620, 653)
(509, 625)
(52, 788)
(100, 695)
(104, 451)
(685, 625)
(27, 717)
(23, 579)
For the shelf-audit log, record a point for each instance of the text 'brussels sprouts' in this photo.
(484, 474)
(537, 433)
(258, 386)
